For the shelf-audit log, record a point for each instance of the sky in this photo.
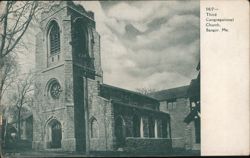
(146, 44)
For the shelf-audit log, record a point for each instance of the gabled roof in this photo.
(117, 89)
(173, 93)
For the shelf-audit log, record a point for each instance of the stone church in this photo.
(73, 109)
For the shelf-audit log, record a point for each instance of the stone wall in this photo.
(181, 133)
(46, 108)
(101, 110)
(148, 145)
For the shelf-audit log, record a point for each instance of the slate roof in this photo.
(117, 89)
(173, 93)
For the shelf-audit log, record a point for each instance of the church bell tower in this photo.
(67, 51)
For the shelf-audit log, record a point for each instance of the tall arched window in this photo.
(80, 39)
(94, 128)
(54, 38)
(136, 126)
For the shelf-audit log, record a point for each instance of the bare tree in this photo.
(7, 75)
(15, 18)
(22, 96)
(145, 91)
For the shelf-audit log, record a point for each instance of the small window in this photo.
(170, 105)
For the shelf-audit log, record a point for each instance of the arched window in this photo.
(82, 44)
(54, 38)
(80, 39)
(164, 129)
(120, 131)
(159, 128)
(136, 126)
(151, 127)
(94, 128)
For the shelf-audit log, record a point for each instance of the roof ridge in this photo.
(130, 91)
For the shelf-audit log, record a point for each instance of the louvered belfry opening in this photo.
(54, 36)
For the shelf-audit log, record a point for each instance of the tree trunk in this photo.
(5, 130)
(18, 124)
(1, 86)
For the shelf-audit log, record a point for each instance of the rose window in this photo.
(55, 90)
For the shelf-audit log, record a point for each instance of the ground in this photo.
(32, 153)
(26, 151)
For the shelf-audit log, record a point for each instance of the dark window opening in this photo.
(56, 131)
(164, 129)
(80, 39)
(159, 128)
(136, 126)
(120, 131)
(151, 128)
(145, 127)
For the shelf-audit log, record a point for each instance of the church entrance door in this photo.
(56, 132)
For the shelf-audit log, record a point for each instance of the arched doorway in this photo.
(54, 134)
(120, 132)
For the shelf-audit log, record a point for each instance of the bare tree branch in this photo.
(21, 14)
(7, 74)
(25, 26)
(5, 23)
(145, 91)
